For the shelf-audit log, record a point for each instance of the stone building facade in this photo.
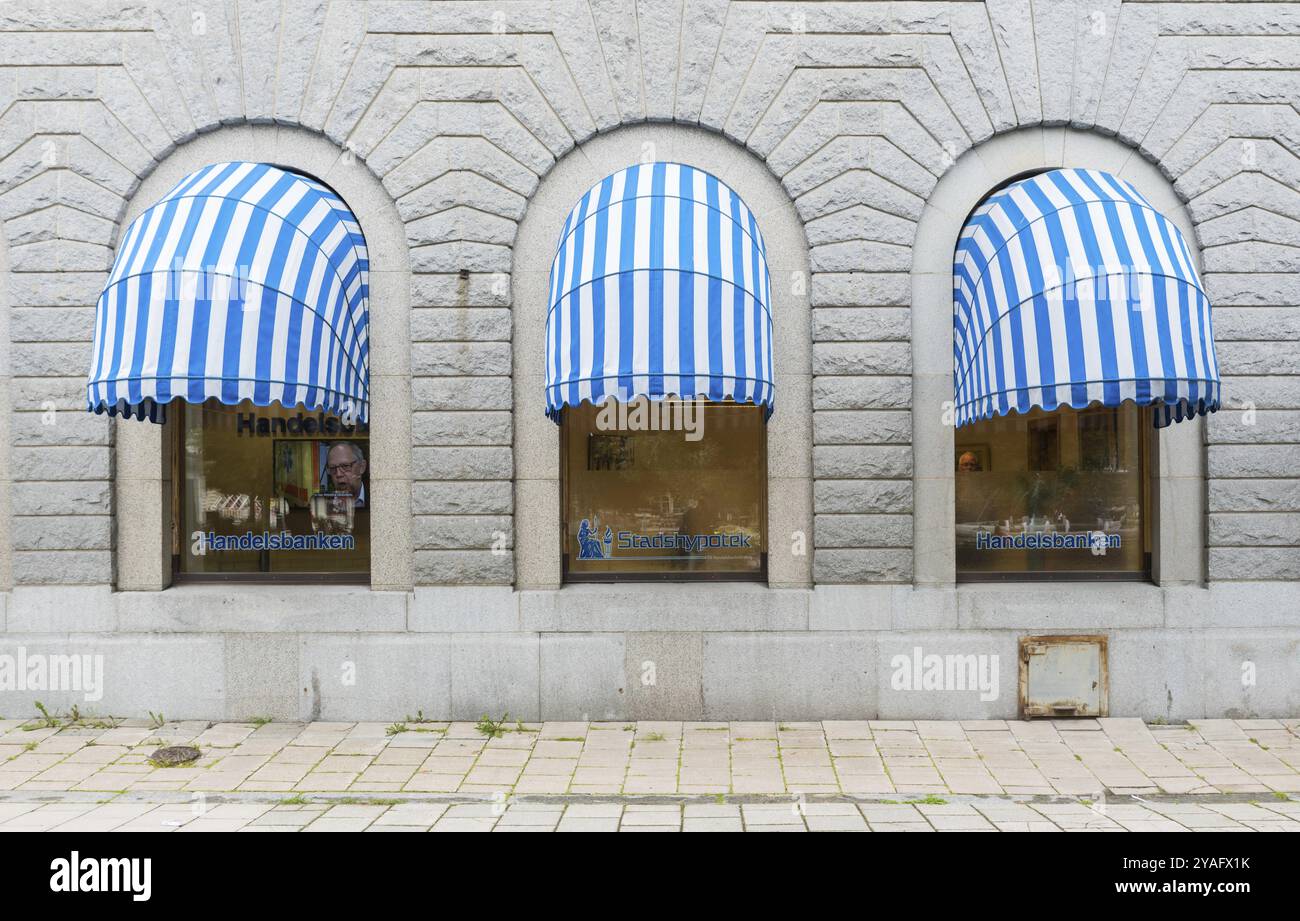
(461, 133)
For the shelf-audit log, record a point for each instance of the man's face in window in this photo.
(346, 468)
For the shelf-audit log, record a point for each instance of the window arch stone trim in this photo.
(1178, 470)
(789, 434)
(141, 453)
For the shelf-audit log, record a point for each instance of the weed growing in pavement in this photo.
(402, 727)
(47, 720)
(491, 728)
(74, 719)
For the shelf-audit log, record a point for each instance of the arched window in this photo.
(659, 371)
(1079, 326)
(241, 298)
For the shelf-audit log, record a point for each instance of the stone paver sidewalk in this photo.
(1109, 773)
(1082, 758)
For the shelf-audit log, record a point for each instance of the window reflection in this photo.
(268, 490)
(674, 490)
(1053, 494)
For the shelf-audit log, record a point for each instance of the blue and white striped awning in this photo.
(659, 289)
(1070, 289)
(244, 282)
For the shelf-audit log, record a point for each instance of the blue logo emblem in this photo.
(590, 545)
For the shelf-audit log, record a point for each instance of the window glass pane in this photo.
(274, 491)
(1052, 493)
(664, 489)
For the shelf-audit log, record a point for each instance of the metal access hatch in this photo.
(1063, 676)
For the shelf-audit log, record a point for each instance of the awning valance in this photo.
(659, 288)
(244, 282)
(1069, 289)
